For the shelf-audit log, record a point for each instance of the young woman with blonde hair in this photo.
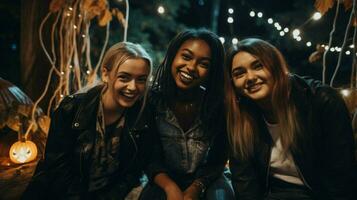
(100, 141)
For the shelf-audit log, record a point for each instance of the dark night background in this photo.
(157, 30)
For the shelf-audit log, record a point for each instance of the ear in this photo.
(105, 75)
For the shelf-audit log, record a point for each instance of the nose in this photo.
(131, 85)
(251, 76)
(191, 66)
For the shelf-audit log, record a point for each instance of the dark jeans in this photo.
(281, 190)
(221, 189)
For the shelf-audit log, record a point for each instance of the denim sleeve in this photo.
(216, 160)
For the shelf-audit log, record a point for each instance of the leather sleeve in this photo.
(53, 173)
(339, 164)
(245, 180)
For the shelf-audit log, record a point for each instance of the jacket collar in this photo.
(86, 114)
(88, 107)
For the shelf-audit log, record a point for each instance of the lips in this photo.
(185, 77)
(128, 95)
(254, 87)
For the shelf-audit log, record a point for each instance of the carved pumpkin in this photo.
(22, 152)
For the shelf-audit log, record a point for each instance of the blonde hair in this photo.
(242, 129)
(122, 51)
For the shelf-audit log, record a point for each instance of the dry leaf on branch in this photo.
(317, 55)
(44, 123)
(324, 5)
(94, 8)
(348, 4)
(105, 18)
(120, 16)
(56, 5)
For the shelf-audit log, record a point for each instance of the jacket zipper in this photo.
(135, 145)
(302, 177)
(268, 169)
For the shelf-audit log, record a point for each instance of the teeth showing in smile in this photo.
(129, 95)
(254, 88)
(186, 76)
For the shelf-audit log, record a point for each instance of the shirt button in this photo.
(76, 124)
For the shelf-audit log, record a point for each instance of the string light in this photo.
(222, 39)
(62, 73)
(161, 10)
(316, 16)
(345, 92)
(234, 41)
(230, 20)
(230, 10)
(88, 72)
(296, 32)
(70, 66)
(83, 36)
(70, 8)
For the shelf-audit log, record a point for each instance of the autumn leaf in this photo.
(324, 5)
(56, 5)
(94, 7)
(105, 18)
(120, 16)
(347, 4)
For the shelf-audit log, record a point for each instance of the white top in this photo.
(280, 167)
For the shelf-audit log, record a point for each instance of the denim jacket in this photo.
(184, 152)
(196, 154)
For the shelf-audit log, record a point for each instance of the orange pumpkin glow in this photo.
(22, 152)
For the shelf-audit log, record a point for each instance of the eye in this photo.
(186, 56)
(205, 64)
(142, 80)
(238, 73)
(258, 66)
(123, 78)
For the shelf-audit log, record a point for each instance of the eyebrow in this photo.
(256, 61)
(203, 58)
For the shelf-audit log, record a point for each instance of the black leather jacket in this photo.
(324, 158)
(63, 173)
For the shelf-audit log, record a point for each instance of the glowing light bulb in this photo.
(270, 20)
(308, 44)
(234, 41)
(316, 16)
(230, 20)
(222, 39)
(161, 10)
(230, 10)
(252, 13)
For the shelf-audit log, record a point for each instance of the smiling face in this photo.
(251, 78)
(126, 83)
(191, 64)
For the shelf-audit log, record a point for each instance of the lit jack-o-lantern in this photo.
(22, 152)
